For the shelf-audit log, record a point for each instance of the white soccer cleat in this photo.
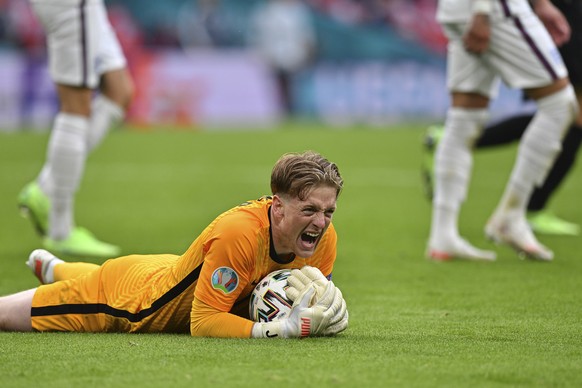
(42, 263)
(458, 248)
(515, 232)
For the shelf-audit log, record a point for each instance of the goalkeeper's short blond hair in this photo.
(296, 174)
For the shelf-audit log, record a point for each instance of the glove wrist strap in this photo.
(269, 330)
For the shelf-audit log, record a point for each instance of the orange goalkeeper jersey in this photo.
(204, 291)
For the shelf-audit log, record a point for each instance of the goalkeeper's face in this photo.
(299, 224)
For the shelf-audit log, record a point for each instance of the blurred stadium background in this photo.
(377, 62)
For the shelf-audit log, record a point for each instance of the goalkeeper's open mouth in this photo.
(309, 240)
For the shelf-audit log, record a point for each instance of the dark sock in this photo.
(562, 165)
(504, 132)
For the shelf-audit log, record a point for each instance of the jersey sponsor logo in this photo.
(224, 279)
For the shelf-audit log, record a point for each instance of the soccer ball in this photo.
(269, 301)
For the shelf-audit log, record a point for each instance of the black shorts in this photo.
(572, 50)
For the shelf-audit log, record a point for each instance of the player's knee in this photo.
(555, 114)
(453, 157)
(561, 106)
(126, 94)
(464, 125)
(75, 101)
(118, 87)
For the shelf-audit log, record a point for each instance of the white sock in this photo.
(105, 114)
(538, 148)
(49, 275)
(444, 227)
(43, 179)
(453, 168)
(64, 169)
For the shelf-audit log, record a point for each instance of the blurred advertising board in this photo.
(27, 96)
(383, 93)
(235, 89)
(203, 89)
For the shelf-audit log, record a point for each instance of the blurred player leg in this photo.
(540, 220)
(432, 138)
(479, 52)
(83, 51)
(65, 164)
(504, 132)
(105, 114)
(538, 149)
(453, 169)
(115, 83)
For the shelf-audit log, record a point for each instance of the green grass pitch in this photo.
(413, 323)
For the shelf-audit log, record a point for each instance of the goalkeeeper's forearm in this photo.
(206, 321)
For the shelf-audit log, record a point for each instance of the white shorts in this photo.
(521, 53)
(80, 40)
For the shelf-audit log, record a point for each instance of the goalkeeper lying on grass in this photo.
(206, 290)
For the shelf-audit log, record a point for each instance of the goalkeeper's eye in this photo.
(309, 211)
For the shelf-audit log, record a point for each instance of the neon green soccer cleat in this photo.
(433, 136)
(546, 222)
(35, 205)
(81, 243)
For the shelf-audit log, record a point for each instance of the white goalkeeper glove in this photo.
(302, 278)
(327, 316)
(339, 321)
